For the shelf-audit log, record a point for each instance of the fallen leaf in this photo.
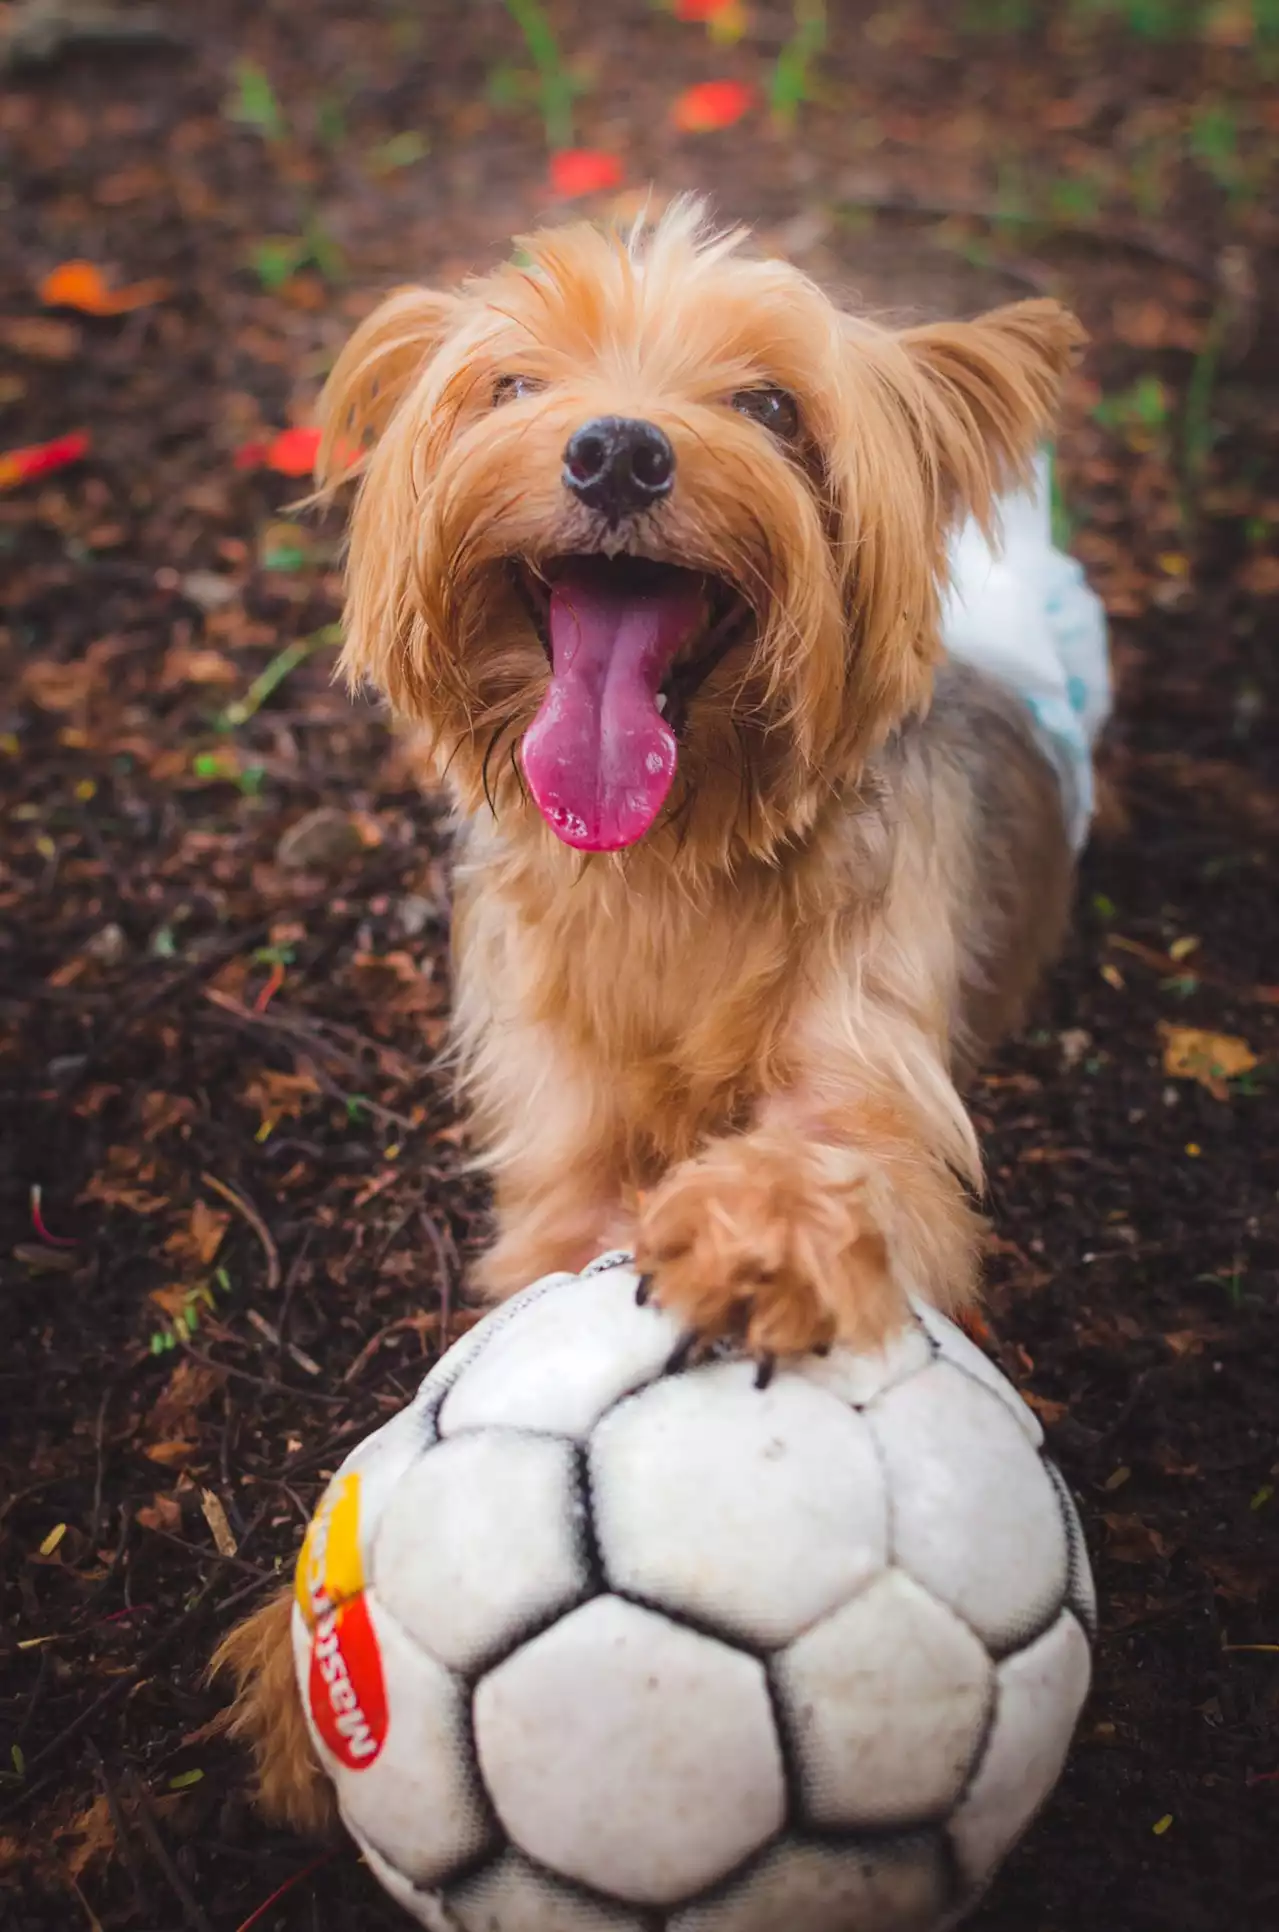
(280, 1096)
(1130, 1540)
(40, 459)
(187, 1390)
(711, 104)
(292, 452)
(163, 1513)
(173, 1453)
(220, 1529)
(81, 285)
(93, 1834)
(44, 338)
(124, 1181)
(584, 171)
(1211, 1059)
(183, 664)
(1044, 1405)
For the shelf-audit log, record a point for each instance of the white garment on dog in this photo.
(1025, 614)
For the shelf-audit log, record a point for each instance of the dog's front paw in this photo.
(771, 1240)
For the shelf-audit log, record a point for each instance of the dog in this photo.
(650, 551)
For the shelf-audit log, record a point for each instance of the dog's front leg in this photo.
(816, 1223)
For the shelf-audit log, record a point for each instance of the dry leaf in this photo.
(186, 1391)
(280, 1096)
(1209, 1058)
(162, 1513)
(93, 1835)
(216, 1517)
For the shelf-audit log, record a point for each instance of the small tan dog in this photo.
(650, 545)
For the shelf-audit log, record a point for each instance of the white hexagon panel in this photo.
(859, 1375)
(898, 1886)
(483, 1541)
(1039, 1695)
(886, 1703)
(568, 1358)
(515, 1896)
(755, 1511)
(954, 1346)
(631, 1753)
(975, 1516)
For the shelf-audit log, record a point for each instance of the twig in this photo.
(260, 1381)
(123, 1685)
(282, 665)
(316, 1046)
(193, 1911)
(423, 1324)
(260, 1911)
(446, 1279)
(124, 1842)
(249, 1213)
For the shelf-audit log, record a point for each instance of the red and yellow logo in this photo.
(345, 1686)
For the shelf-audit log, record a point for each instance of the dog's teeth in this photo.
(662, 700)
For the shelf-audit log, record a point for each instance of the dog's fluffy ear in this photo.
(994, 386)
(376, 369)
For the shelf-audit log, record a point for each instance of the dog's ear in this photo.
(385, 356)
(993, 386)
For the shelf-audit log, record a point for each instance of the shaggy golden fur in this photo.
(735, 1045)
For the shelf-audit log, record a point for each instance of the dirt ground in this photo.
(234, 1224)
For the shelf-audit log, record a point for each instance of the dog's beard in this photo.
(628, 641)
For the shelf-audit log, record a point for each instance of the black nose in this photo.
(617, 465)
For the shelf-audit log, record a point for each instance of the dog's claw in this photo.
(683, 1352)
(644, 1289)
(765, 1366)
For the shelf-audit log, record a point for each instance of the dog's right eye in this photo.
(515, 388)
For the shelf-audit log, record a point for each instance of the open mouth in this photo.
(629, 642)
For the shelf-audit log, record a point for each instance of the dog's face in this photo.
(650, 536)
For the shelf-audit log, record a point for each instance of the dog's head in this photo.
(650, 535)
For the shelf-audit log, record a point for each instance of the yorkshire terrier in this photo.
(650, 547)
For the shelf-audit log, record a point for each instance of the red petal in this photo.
(16, 465)
(584, 171)
(293, 453)
(702, 9)
(712, 104)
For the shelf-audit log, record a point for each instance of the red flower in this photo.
(291, 453)
(584, 171)
(711, 104)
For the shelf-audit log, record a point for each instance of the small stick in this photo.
(195, 1915)
(260, 1911)
(249, 1213)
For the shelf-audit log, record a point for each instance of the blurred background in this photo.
(235, 1226)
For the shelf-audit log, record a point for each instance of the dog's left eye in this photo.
(515, 388)
(773, 409)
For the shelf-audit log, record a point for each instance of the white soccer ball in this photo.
(590, 1644)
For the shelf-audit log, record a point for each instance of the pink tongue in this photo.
(599, 758)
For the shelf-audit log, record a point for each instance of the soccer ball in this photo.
(591, 1643)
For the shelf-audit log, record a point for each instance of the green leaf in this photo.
(401, 151)
(18, 1759)
(184, 1780)
(254, 102)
